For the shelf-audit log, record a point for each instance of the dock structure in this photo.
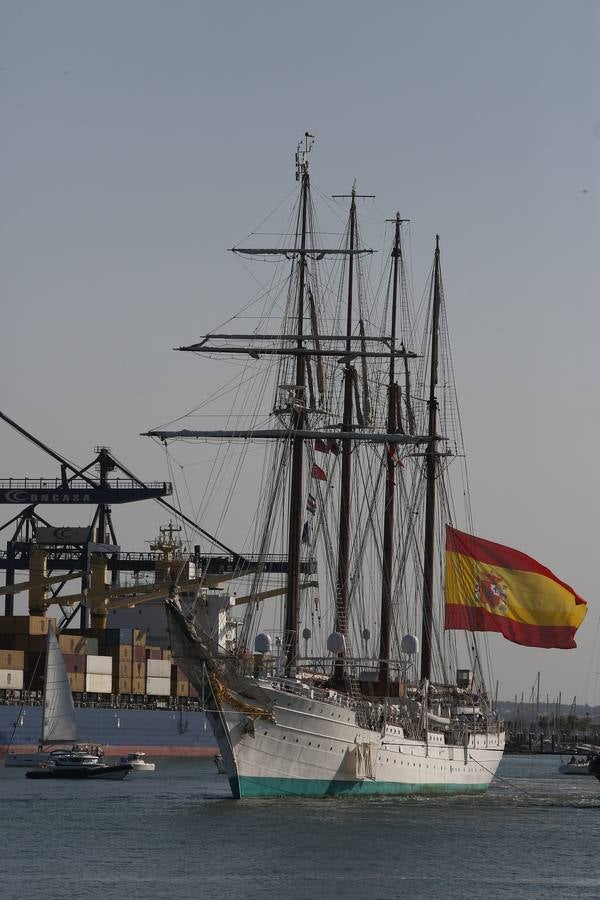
(35, 545)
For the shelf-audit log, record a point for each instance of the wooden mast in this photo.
(292, 604)
(388, 520)
(430, 474)
(341, 613)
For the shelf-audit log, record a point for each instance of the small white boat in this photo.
(138, 762)
(575, 766)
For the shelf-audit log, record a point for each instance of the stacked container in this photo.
(158, 676)
(98, 674)
(122, 671)
(12, 664)
(23, 640)
(180, 685)
(115, 661)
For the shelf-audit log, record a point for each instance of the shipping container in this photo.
(178, 674)
(99, 665)
(25, 624)
(153, 653)
(139, 638)
(158, 687)
(123, 651)
(167, 654)
(182, 689)
(139, 654)
(12, 659)
(96, 683)
(122, 668)
(11, 679)
(31, 643)
(114, 636)
(92, 645)
(138, 685)
(77, 681)
(158, 668)
(72, 643)
(121, 685)
(138, 670)
(75, 663)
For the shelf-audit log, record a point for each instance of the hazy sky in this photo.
(141, 139)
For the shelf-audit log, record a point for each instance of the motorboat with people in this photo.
(138, 762)
(78, 755)
(98, 770)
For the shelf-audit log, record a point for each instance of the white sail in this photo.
(59, 723)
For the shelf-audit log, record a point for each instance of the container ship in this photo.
(128, 693)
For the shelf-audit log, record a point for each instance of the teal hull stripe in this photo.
(300, 787)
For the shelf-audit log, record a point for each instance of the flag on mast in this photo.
(490, 587)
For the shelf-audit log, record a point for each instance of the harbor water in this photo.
(177, 834)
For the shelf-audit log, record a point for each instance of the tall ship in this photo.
(342, 679)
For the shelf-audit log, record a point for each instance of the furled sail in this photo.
(59, 724)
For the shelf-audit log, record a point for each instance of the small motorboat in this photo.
(577, 765)
(220, 764)
(138, 762)
(99, 770)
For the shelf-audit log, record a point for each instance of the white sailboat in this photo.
(345, 718)
(59, 724)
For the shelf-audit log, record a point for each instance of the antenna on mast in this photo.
(302, 153)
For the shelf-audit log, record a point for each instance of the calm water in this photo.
(176, 834)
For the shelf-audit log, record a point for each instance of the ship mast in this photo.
(341, 612)
(292, 600)
(388, 521)
(430, 473)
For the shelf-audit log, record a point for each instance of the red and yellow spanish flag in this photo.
(494, 588)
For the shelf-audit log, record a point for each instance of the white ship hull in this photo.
(315, 748)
